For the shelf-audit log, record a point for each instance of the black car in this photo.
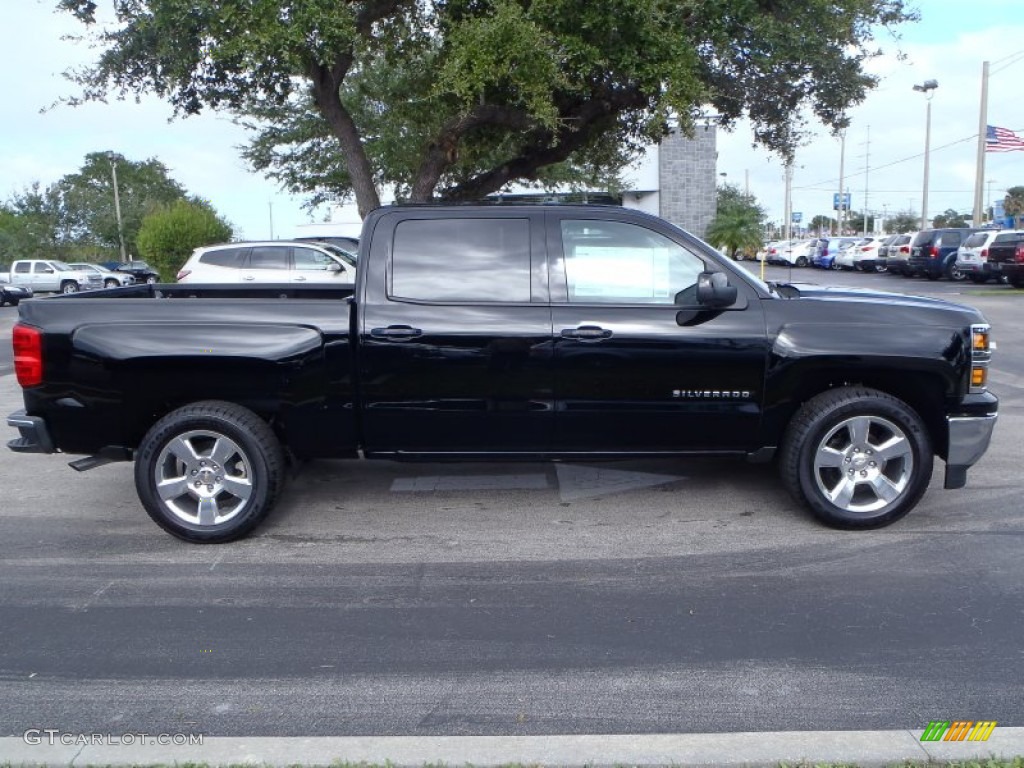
(140, 270)
(13, 294)
(933, 253)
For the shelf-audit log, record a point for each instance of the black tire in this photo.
(251, 462)
(69, 286)
(931, 275)
(1016, 282)
(953, 272)
(151, 279)
(801, 261)
(835, 265)
(827, 429)
(110, 283)
(978, 279)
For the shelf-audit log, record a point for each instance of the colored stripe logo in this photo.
(958, 730)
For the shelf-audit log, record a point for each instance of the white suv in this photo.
(972, 256)
(274, 261)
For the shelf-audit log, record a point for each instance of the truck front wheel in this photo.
(209, 472)
(69, 286)
(856, 457)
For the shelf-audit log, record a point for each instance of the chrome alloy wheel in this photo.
(863, 464)
(203, 478)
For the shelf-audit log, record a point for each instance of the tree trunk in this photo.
(325, 87)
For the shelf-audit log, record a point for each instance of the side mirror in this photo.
(714, 291)
(336, 267)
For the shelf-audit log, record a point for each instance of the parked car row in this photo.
(56, 276)
(952, 253)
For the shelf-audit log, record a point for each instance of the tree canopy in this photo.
(168, 235)
(903, 222)
(950, 218)
(454, 99)
(75, 217)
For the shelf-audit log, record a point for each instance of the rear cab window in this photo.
(489, 256)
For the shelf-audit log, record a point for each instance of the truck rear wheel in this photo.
(209, 472)
(857, 458)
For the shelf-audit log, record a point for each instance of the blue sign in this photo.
(798, 216)
(835, 201)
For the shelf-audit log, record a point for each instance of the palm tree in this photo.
(735, 229)
(1013, 204)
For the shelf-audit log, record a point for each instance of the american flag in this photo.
(1002, 140)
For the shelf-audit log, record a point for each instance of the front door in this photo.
(455, 340)
(638, 366)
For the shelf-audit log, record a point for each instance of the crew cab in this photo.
(1006, 257)
(506, 333)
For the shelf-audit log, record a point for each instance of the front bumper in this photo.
(969, 437)
(35, 437)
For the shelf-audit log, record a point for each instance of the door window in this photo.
(22, 268)
(461, 260)
(223, 257)
(311, 260)
(614, 262)
(268, 257)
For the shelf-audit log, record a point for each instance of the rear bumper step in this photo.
(35, 437)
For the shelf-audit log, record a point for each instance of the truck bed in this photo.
(281, 350)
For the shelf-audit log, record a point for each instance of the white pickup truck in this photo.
(50, 275)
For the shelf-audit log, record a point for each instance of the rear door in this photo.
(455, 334)
(21, 273)
(266, 264)
(637, 368)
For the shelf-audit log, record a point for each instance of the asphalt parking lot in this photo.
(626, 597)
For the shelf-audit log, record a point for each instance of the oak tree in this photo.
(454, 99)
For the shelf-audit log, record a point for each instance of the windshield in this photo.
(346, 256)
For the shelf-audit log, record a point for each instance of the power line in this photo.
(894, 162)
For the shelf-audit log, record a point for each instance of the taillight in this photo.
(1019, 255)
(866, 248)
(904, 249)
(934, 252)
(183, 273)
(984, 253)
(981, 354)
(28, 355)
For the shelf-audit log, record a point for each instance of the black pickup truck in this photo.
(506, 333)
(1006, 257)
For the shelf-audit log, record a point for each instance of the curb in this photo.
(868, 749)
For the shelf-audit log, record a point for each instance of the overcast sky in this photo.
(949, 45)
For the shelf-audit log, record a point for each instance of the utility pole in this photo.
(270, 209)
(117, 206)
(842, 200)
(928, 89)
(979, 176)
(867, 160)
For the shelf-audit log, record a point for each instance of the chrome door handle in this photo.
(396, 332)
(587, 333)
(248, 277)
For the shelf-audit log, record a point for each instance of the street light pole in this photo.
(927, 88)
(117, 206)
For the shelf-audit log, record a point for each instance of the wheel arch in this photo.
(923, 391)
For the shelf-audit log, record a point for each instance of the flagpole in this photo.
(979, 179)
